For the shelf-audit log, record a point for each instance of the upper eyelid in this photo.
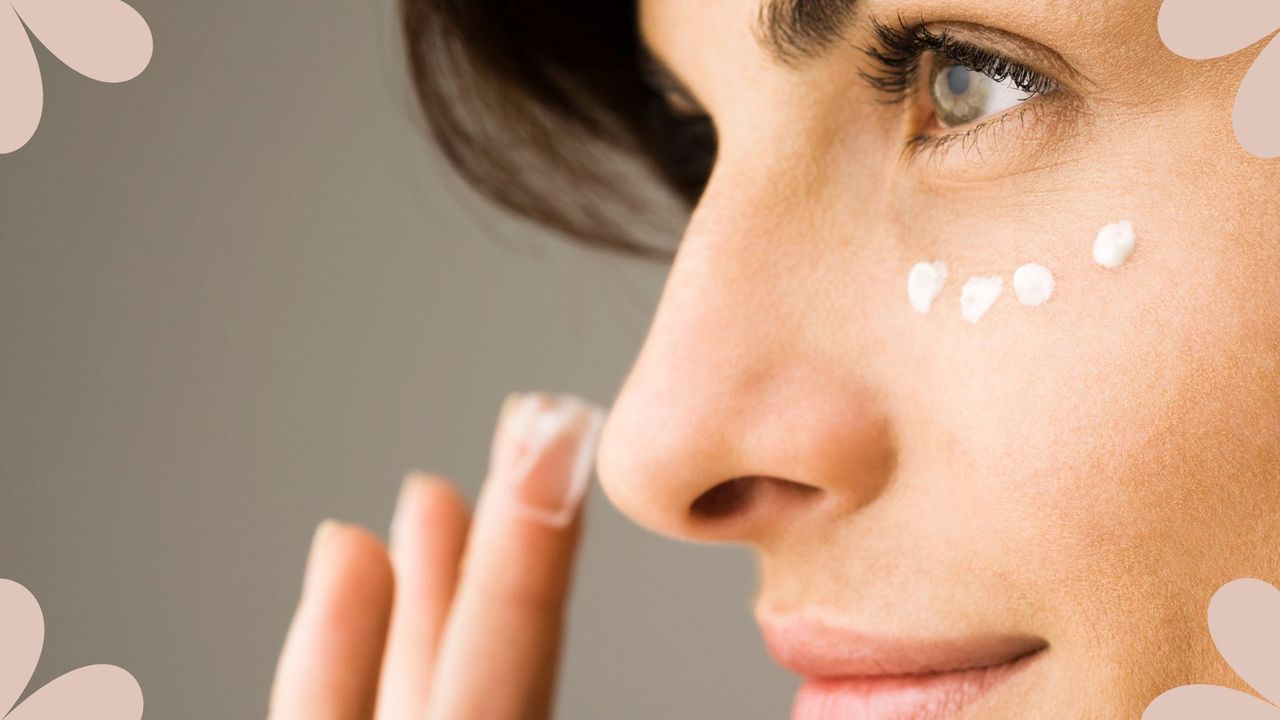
(1012, 47)
(1037, 57)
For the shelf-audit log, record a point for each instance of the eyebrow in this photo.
(792, 31)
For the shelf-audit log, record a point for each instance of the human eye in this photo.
(967, 91)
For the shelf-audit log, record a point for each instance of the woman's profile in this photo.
(971, 336)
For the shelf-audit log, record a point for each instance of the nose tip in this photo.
(699, 466)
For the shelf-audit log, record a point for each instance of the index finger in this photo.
(500, 645)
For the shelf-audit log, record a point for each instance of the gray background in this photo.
(241, 293)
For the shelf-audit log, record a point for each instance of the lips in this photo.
(850, 674)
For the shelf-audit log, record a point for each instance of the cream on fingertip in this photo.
(554, 439)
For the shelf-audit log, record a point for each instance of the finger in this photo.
(328, 669)
(498, 653)
(427, 535)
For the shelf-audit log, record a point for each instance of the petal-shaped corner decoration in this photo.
(1257, 120)
(106, 40)
(22, 627)
(101, 692)
(1208, 702)
(21, 96)
(1200, 29)
(1244, 620)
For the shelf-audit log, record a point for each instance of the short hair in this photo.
(532, 103)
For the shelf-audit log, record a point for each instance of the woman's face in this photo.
(1079, 476)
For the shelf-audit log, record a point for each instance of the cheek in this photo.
(1122, 437)
(1125, 382)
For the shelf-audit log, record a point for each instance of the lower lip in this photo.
(931, 696)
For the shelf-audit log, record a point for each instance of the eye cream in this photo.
(978, 295)
(1033, 284)
(1114, 245)
(924, 283)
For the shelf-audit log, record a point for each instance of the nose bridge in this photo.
(739, 379)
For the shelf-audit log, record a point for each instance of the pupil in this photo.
(958, 79)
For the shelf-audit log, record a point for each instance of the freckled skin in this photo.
(1089, 471)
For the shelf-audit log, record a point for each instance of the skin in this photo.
(1088, 471)
(462, 602)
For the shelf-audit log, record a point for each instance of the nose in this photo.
(748, 413)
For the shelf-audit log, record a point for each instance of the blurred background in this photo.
(242, 293)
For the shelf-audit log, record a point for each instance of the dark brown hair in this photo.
(534, 102)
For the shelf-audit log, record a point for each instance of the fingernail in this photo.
(500, 449)
(543, 453)
(409, 488)
(323, 532)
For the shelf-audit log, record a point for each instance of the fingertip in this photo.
(428, 532)
(360, 552)
(427, 501)
(348, 566)
(437, 492)
(329, 662)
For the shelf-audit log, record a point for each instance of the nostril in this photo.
(736, 497)
(725, 498)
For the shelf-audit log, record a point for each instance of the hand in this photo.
(461, 620)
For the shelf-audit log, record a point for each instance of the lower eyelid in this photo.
(978, 145)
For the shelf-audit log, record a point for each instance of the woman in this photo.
(971, 337)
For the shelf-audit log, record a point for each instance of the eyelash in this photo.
(895, 68)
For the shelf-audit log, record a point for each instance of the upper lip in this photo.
(810, 646)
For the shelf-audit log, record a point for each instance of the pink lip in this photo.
(853, 675)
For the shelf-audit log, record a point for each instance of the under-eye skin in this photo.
(956, 92)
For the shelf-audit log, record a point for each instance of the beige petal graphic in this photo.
(21, 638)
(101, 692)
(1208, 702)
(1244, 620)
(21, 94)
(1258, 105)
(1197, 29)
(105, 40)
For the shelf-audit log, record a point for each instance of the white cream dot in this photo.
(924, 283)
(1033, 284)
(1114, 244)
(978, 295)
